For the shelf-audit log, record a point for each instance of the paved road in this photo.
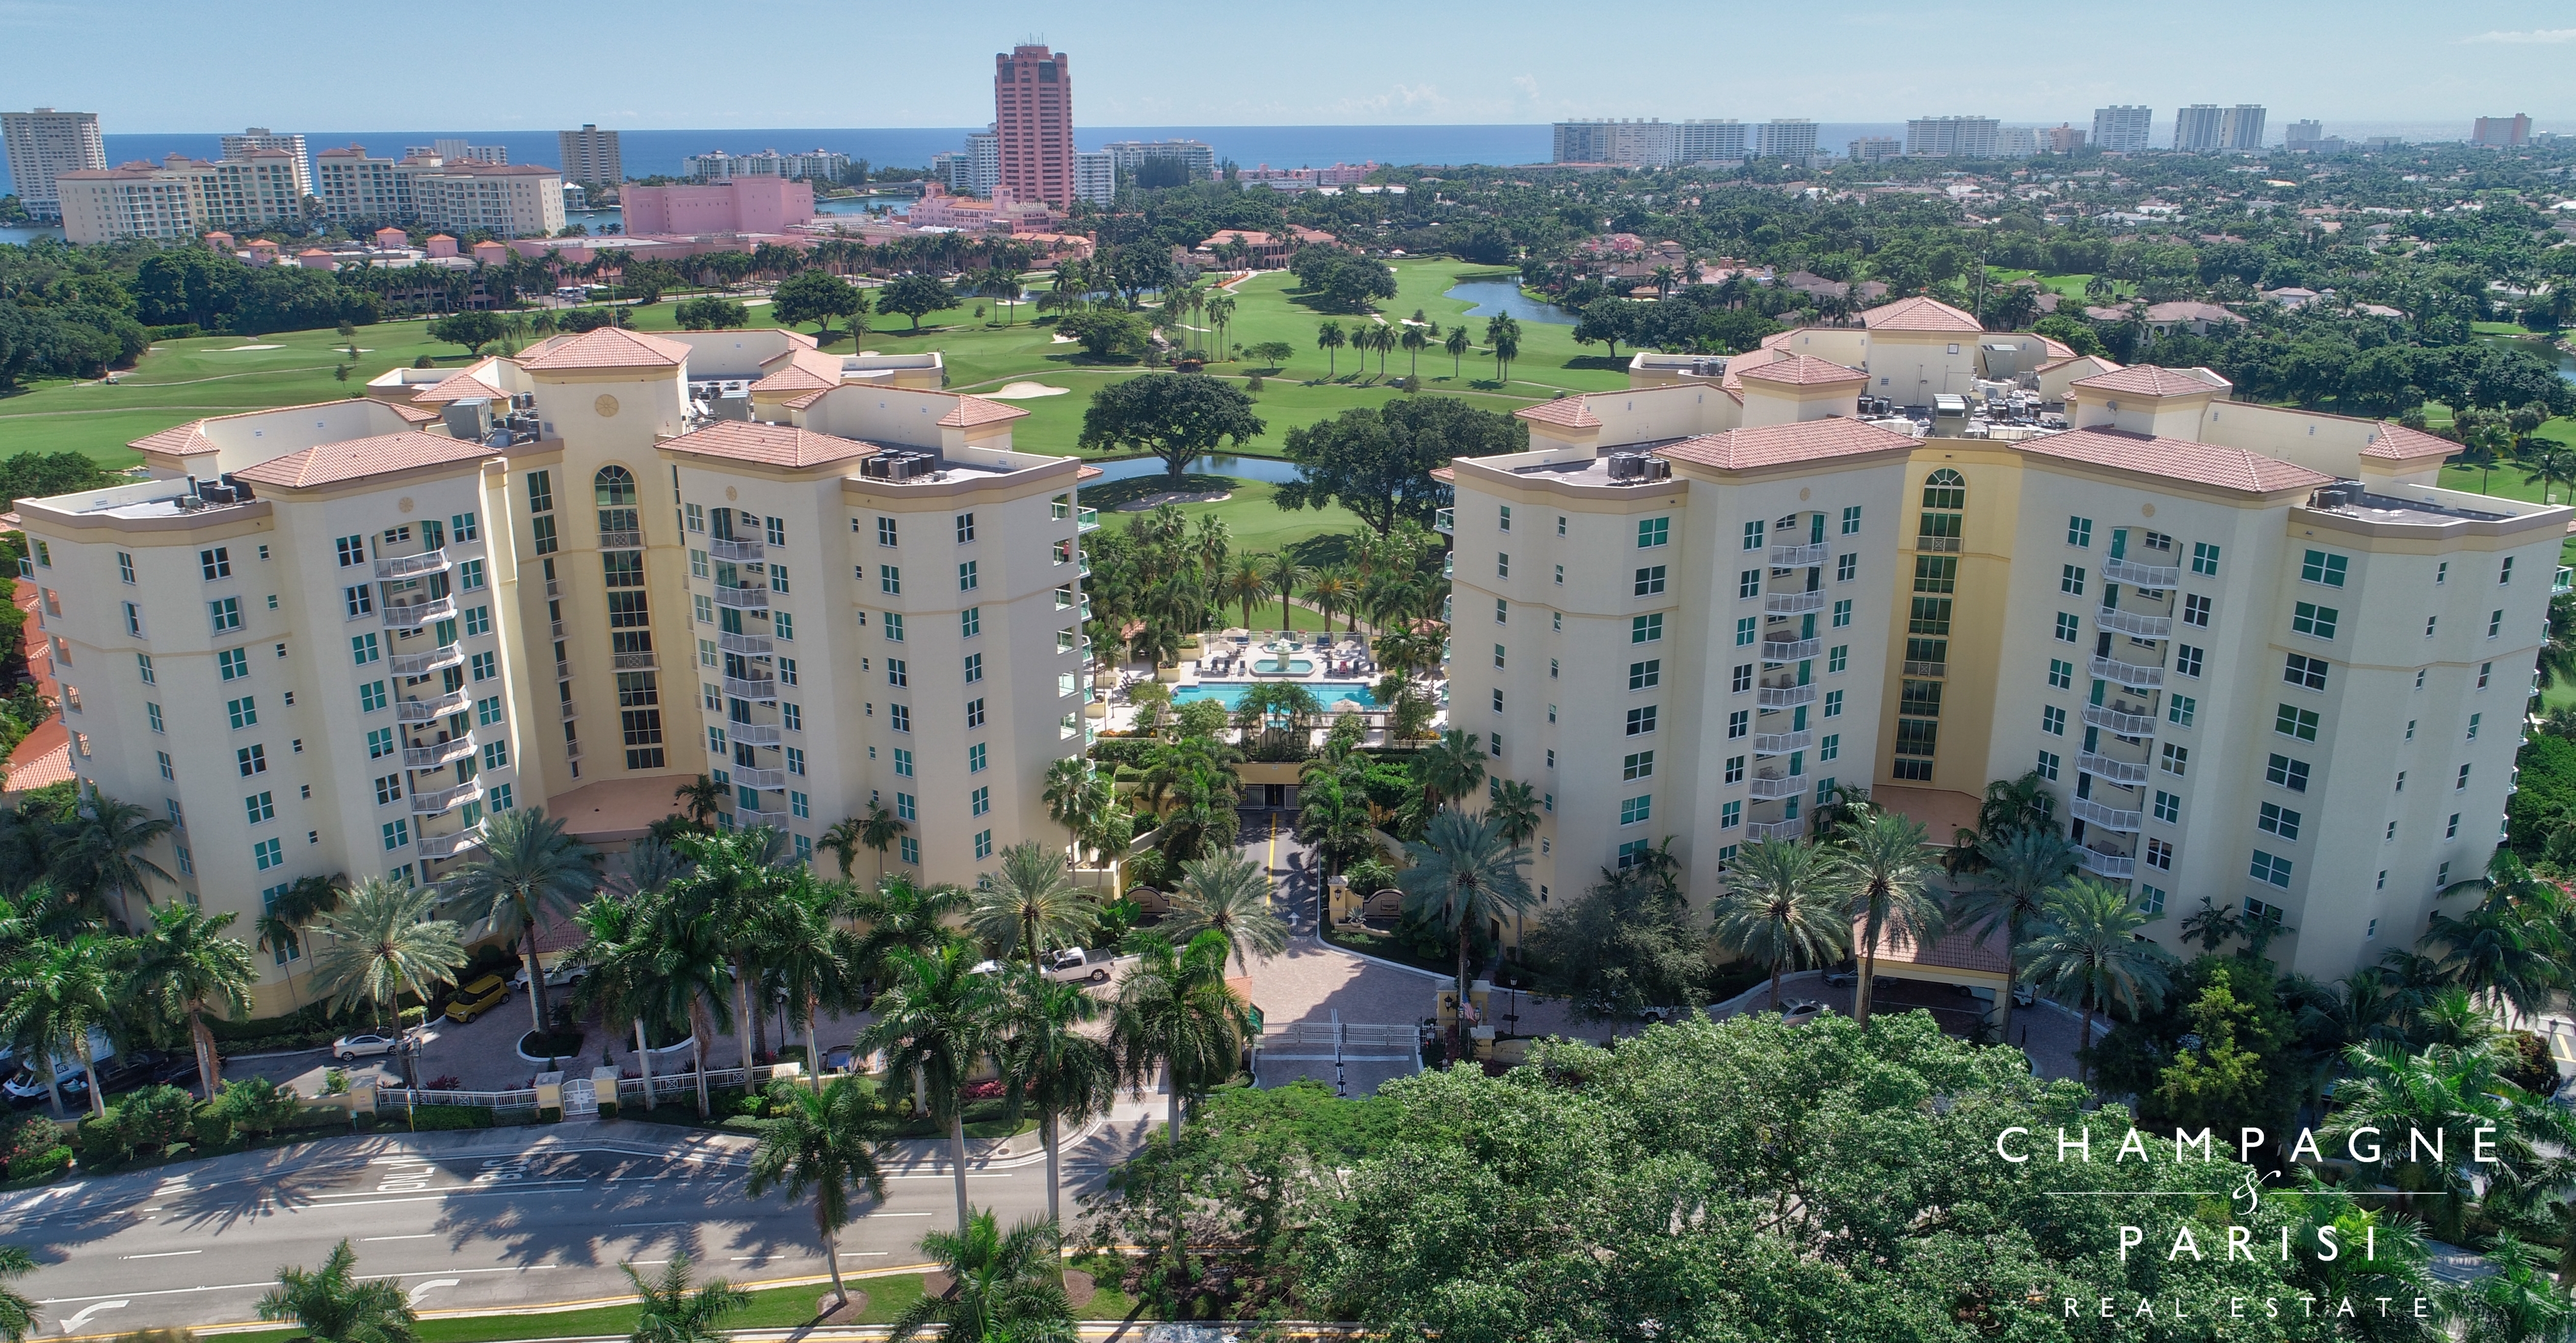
(496, 1218)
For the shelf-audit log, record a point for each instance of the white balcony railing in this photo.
(630, 662)
(621, 538)
(749, 777)
(1797, 557)
(2135, 623)
(1793, 828)
(440, 753)
(2094, 813)
(1790, 650)
(2126, 773)
(568, 709)
(2125, 724)
(439, 800)
(1782, 743)
(449, 846)
(2141, 575)
(413, 615)
(412, 566)
(1932, 669)
(1445, 521)
(2128, 674)
(736, 551)
(748, 645)
(752, 734)
(1088, 519)
(747, 817)
(422, 664)
(431, 709)
(1785, 696)
(744, 598)
(1793, 603)
(760, 689)
(1767, 787)
(1937, 545)
(2117, 866)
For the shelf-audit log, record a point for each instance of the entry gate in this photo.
(580, 1098)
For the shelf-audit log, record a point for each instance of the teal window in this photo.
(1635, 810)
(1753, 534)
(234, 663)
(2270, 869)
(975, 758)
(1842, 613)
(260, 807)
(1837, 657)
(1646, 629)
(497, 798)
(2275, 819)
(909, 849)
(1638, 765)
(1829, 746)
(363, 649)
(1653, 532)
(979, 802)
(2061, 674)
(2324, 566)
(2204, 559)
(2179, 710)
(478, 620)
(380, 743)
(152, 713)
(2079, 532)
(371, 696)
(1730, 816)
(905, 808)
(2311, 619)
(890, 579)
(2168, 807)
(983, 845)
(268, 853)
(970, 622)
(397, 833)
(243, 712)
(1851, 520)
(1746, 630)
(2068, 627)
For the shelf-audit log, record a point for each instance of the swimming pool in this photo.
(1230, 693)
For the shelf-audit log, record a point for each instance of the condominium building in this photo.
(1197, 158)
(180, 197)
(1033, 123)
(1095, 177)
(2207, 127)
(2061, 139)
(2502, 132)
(1785, 138)
(1951, 137)
(975, 170)
(44, 144)
(2122, 128)
(257, 138)
(723, 167)
(1709, 141)
(510, 200)
(1626, 142)
(1876, 149)
(2161, 611)
(591, 156)
(459, 150)
(753, 601)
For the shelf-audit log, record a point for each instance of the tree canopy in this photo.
(1174, 416)
(1377, 461)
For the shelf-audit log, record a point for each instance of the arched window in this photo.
(620, 525)
(1944, 488)
(1945, 493)
(616, 488)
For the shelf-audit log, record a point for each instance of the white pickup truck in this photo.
(1093, 966)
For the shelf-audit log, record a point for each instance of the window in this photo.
(1747, 630)
(2179, 710)
(2160, 855)
(1503, 518)
(388, 789)
(705, 607)
(1930, 615)
(243, 711)
(2292, 721)
(2176, 760)
(1646, 629)
(1498, 699)
(485, 665)
(2061, 674)
(1842, 613)
(143, 667)
(2271, 870)
(1638, 765)
(2275, 819)
(1936, 573)
(260, 808)
(478, 620)
(215, 563)
(371, 696)
(1919, 699)
(909, 849)
(1735, 769)
(469, 576)
(2462, 781)
(2186, 660)
(2079, 532)
(1650, 581)
(1641, 721)
(2070, 580)
(152, 714)
(1829, 746)
(1502, 611)
(397, 833)
(975, 758)
(543, 529)
(2495, 624)
(2451, 831)
(1748, 584)
(1837, 658)
(1846, 568)
(1752, 534)
(2204, 559)
(966, 579)
(979, 802)
(1636, 810)
(2067, 628)
(225, 614)
(2052, 720)
(902, 763)
(2195, 610)
(125, 567)
(2313, 620)
(1851, 520)
(795, 760)
(2504, 572)
(360, 600)
(2473, 725)
(380, 743)
(899, 717)
(1917, 737)
(974, 713)
(1738, 723)
(2323, 566)
(897, 674)
(2168, 807)
(2486, 670)
(487, 711)
(974, 668)
(1633, 853)
(268, 853)
(1650, 673)
(2304, 671)
(166, 770)
(1833, 704)
(2048, 764)
(251, 760)
(1738, 681)
(2284, 772)
(1651, 532)
(890, 580)
(1730, 815)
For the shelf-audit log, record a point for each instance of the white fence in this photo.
(666, 1087)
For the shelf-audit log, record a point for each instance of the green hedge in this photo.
(1123, 750)
(2545, 789)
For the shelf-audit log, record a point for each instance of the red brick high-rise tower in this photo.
(1033, 119)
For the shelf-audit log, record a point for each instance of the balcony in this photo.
(1793, 603)
(443, 753)
(1790, 650)
(1445, 522)
(1782, 743)
(1449, 565)
(1767, 787)
(555, 628)
(432, 708)
(422, 664)
(748, 597)
(771, 779)
(1798, 557)
(568, 709)
(572, 750)
(563, 670)
(736, 551)
(752, 734)
(1785, 696)
(2094, 813)
(1937, 545)
(2141, 575)
(1934, 670)
(2126, 773)
(554, 589)
(2133, 623)
(412, 566)
(2125, 724)
(449, 846)
(746, 817)
(621, 539)
(2128, 674)
(1793, 828)
(413, 615)
(760, 690)
(2116, 866)
(749, 645)
(630, 661)
(438, 801)
(1088, 519)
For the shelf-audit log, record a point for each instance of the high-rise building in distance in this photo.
(1033, 123)
(43, 143)
(1709, 141)
(591, 156)
(239, 147)
(1095, 177)
(1876, 148)
(2502, 132)
(1195, 159)
(1629, 143)
(1951, 137)
(2206, 127)
(1785, 138)
(2121, 129)
(2061, 139)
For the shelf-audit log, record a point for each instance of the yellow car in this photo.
(477, 998)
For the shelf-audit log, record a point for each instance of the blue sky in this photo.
(652, 63)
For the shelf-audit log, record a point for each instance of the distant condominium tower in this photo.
(43, 143)
(1876, 148)
(2205, 127)
(239, 147)
(591, 156)
(1095, 177)
(2502, 132)
(1710, 141)
(1951, 137)
(1193, 160)
(2122, 129)
(2062, 139)
(1785, 138)
(1630, 143)
(2242, 127)
(1033, 120)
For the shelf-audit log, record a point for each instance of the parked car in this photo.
(351, 1048)
(1075, 964)
(477, 998)
(1801, 1011)
(560, 971)
(26, 1087)
(135, 1068)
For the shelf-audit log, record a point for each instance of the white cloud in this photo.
(1527, 84)
(2537, 36)
(1401, 98)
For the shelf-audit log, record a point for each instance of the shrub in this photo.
(441, 1118)
(41, 1165)
(179, 331)
(155, 1118)
(212, 1130)
(257, 1105)
(28, 1135)
(98, 1141)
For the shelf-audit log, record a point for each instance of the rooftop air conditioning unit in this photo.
(1627, 465)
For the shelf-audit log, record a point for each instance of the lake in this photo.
(1497, 298)
(1270, 469)
(2565, 362)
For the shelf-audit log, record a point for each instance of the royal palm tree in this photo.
(1330, 338)
(17, 1313)
(2514, 1300)
(528, 871)
(332, 1304)
(691, 974)
(699, 798)
(2021, 870)
(2083, 948)
(1229, 894)
(2547, 462)
(1055, 1065)
(939, 1018)
(1463, 876)
(1247, 584)
(668, 1310)
(880, 831)
(1175, 1012)
(811, 956)
(737, 881)
(900, 915)
(1076, 796)
(1452, 768)
(2503, 951)
(1031, 906)
(2451, 1090)
(623, 985)
(828, 1142)
(1286, 576)
(1333, 818)
(382, 943)
(1414, 341)
(98, 852)
(1782, 908)
(1331, 590)
(1457, 344)
(1885, 868)
(187, 968)
(1009, 1288)
(52, 995)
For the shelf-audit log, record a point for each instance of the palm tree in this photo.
(1076, 796)
(17, 1313)
(1782, 907)
(1457, 344)
(2444, 1089)
(842, 841)
(1228, 894)
(332, 1305)
(2547, 462)
(1414, 341)
(2021, 872)
(826, 1141)
(52, 996)
(1331, 590)
(1451, 768)
(1009, 1288)
(1286, 576)
(691, 974)
(810, 955)
(737, 881)
(98, 852)
(1032, 906)
(1247, 584)
(383, 942)
(2514, 1301)
(187, 968)
(1330, 339)
(699, 798)
(2501, 953)
(1885, 865)
(1174, 1010)
(667, 1311)
(938, 1018)
(1056, 1065)
(2084, 948)
(528, 870)
(1515, 808)
(898, 914)
(1464, 875)
(622, 984)
(281, 923)
(882, 829)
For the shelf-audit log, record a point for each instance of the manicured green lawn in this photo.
(2068, 286)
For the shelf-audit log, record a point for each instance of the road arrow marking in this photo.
(434, 1282)
(77, 1320)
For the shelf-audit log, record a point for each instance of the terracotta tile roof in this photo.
(802, 370)
(2397, 443)
(770, 445)
(1958, 950)
(1779, 444)
(2185, 311)
(461, 387)
(2108, 365)
(410, 412)
(2150, 380)
(975, 410)
(1918, 314)
(356, 458)
(1779, 340)
(190, 438)
(1800, 370)
(609, 347)
(180, 439)
(1567, 411)
(2056, 349)
(2177, 459)
(806, 399)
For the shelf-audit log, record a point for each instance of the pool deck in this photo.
(1235, 651)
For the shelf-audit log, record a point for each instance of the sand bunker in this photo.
(237, 349)
(1026, 391)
